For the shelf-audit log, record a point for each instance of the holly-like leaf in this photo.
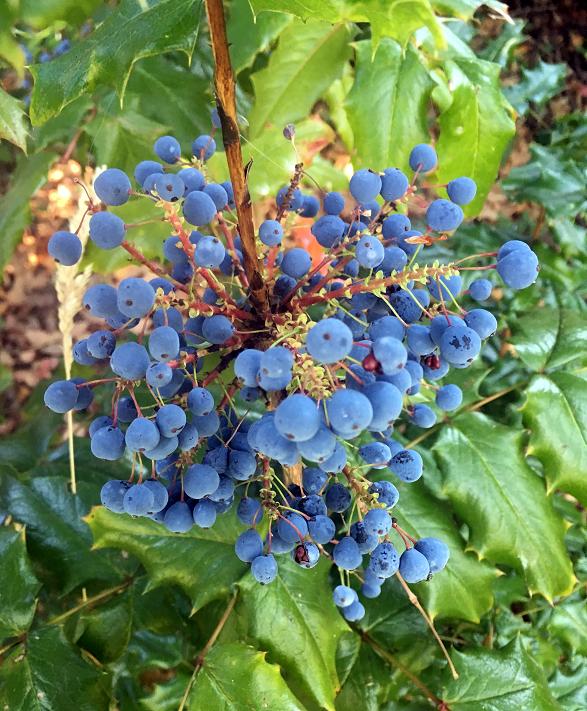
(273, 160)
(238, 677)
(463, 589)
(556, 414)
(328, 10)
(396, 88)
(498, 680)
(106, 631)
(295, 619)
(367, 681)
(475, 129)
(42, 14)
(46, 673)
(537, 86)
(547, 337)
(14, 210)
(18, 584)
(551, 178)
(106, 57)
(568, 622)
(202, 561)
(58, 539)
(13, 125)
(503, 502)
(122, 139)
(316, 51)
(248, 35)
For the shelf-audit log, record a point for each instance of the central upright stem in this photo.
(224, 83)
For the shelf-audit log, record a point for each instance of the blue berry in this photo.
(218, 194)
(248, 546)
(462, 190)
(168, 149)
(329, 341)
(365, 185)
(130, 361)
(271, 233)
(200, 480)
(306, 554)
(395, 226)
(384, 561)
(146, 168)
(407, 465)
(518, 269)
(413, 566)
(394, 184)
(113, 187)
(449, 397)
(344, 596)
(141, 435)
(435, 551)
(65, 248)
(204, 514)
(158, 375)
(354, 612)
(100, 300)
(101, 344)
(459, 345)
(135, 297)
(198, 208)
(249, 511)
(328, 230)
(61, 396)
(204, 147)
(264, 569)
(369, 252)
(193, 179)
(386, 492)
(297, 418)
(333, 203)
(480, 289)
(423, 158)
(246, 366)
(321, 529)
(169, 187)
(107, 230)
(112, 495)
(377, 522)
(296, 262)
(443, 215)
(481, 321)
(423, 416)
(170, 419)
(138, 500)
(164, 343)
(178, 518)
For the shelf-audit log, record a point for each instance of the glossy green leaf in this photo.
(14, 210)
(396, 88)
(47, 674)
(463, 589)
(536, 86)
(202, 561)
(106, 57)
(41, 14)
(569, 623)
(556, 414)
(169, 94)
(569, 687)
(398, 19)
(367, 681)
(475, 129)
(308, 58)
(236, 677)
(105, 632)
(249, 34)
(18, 584)
(273, 159)
(57, 538)
(295, 619)
(550, 178)
(498, 680)
(13, 125)
(122, 139)
(547, 337)
(503, 502)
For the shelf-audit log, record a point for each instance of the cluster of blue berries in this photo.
(284, 411)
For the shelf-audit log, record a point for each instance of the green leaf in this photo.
(18, 584)
(549, 337)
(309, 57)
(475, 129)
(537, 86)
(58, 540)
(398, 19)
(14, 210)
(124, 138)
(503, 502)
(106, 57)
(570, 686)
(556, 414)
(248, 35)
(106, 631)
(236, 677)
(391, 91)
(213, 567)
(41, 14)
(169, 94)
(569, 623)
(295, 619)
(465, 9)
(498, 680)
(273, 159)
(463, 589)
(551, 179)
(46, 674)
(13, 125)
(366, 684)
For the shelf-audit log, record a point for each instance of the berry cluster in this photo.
(281, 403)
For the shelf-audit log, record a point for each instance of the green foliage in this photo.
(106, 57)
(99, 611)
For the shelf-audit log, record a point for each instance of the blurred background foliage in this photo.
(97, 612)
